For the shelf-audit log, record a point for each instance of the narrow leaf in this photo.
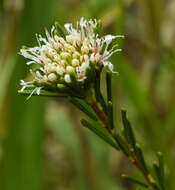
(128, 132)
(110, 115)
(99, 132)
(140, 156)
(98, 93)
(60, 30)
(78, 104)
(133, 180)
(161, 164)
(159, 170)
(153, 183)
(108, 85)
(121, 144)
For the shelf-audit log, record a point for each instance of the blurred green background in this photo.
(42, 144)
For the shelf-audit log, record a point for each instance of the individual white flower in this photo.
(67, 78)
(60, 58)
(75, 62)
(52, 77)
(60, 70)
(82, 71)
(69, 69)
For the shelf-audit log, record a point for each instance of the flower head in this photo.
(69, 59)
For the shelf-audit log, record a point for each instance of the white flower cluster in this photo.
(61, 57)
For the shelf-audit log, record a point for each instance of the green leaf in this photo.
(97, 29)
(42, 93)
(110, 115)
(121, 145)
(159, 170)
(155, 186)
(108, 85)
(133, 180)
(60, 30)
(139, 155)
(128, 132)
(161, 164)
(153, 182)
(101, 132)
(98, 93)
(81, 107)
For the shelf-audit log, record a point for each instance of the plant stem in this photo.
(99, 111)
(101, 115)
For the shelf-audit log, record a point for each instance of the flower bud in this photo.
(51, 52)
(86, 42)
(76, 55)
(50, 68)
(65, 55)
(63, 62)
(45, 78)
(69, 48)
(97, 57)
(67, 78)
(59, 39)
(62, 87)
(75, 62)
(60, 70)
(56, 45)
(86, 57)
(69, 69)
(69, 39)
(85, 49)
(52, 77)
(56, 58)
(92, 58)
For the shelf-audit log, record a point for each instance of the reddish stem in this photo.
(99, 111)
(101, 115)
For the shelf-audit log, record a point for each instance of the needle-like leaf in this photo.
(81, 107)
(110, 115)
(108, 86)
(133, 180)
(98, 130)
(140, 156)
(128, 132)
(121, 144)
(159, 170)
(59, 29)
